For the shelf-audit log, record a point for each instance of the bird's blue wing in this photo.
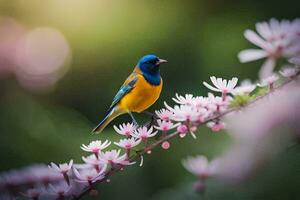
(126, 87)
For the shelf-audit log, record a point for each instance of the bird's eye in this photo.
(152, 61)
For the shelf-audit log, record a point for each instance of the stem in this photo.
(66, 177)
(128, 153)
(224, 95)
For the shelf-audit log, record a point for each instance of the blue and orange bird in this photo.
(139, 91)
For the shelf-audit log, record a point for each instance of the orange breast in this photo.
(141, 97)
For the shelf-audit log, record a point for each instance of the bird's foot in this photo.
(152, 121)
(135, 123)
(133, 119)
(150, 114)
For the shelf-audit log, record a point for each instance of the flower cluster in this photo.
(192, 111)
(234, 165)
(276, 39)
(67, 180)
(255, 143)
(36, 177)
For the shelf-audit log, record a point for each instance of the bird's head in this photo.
(149, 64)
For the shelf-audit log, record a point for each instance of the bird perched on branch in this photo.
(139, 91)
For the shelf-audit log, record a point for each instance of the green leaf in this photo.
(240, 100)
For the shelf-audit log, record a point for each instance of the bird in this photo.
(139, 91)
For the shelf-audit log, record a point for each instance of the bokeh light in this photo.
(38, 58)
(11, 33)
(43, 57)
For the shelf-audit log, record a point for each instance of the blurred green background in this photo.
(198, 38)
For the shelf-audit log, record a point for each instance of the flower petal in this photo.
(211, 87)
(266, 69)
(251, 54)
(255, 39)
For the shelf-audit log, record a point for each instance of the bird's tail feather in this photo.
(112, 114)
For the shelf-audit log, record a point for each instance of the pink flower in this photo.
(88, 175)
(183, 130)
(221, 85)
(59, 190)
(143, 133)
(62, 168)
(128, 143)
(113, 157)
(216, 126)
(12, 178)
(165, 145)
(218, 104)
(165, 125)
(203, 114)
(41, 174)
(200, 102)
(92, 160)
(95, 146)
(125, 129)
(246, 87)
(38, 173)
(183, 113)
(185, 100)
(289, 72)
(164, 114)
(200, 167)
(276, 39)
(269, 81)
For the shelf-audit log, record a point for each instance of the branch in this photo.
(150, 147)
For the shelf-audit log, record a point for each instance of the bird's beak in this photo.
(161, 61)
